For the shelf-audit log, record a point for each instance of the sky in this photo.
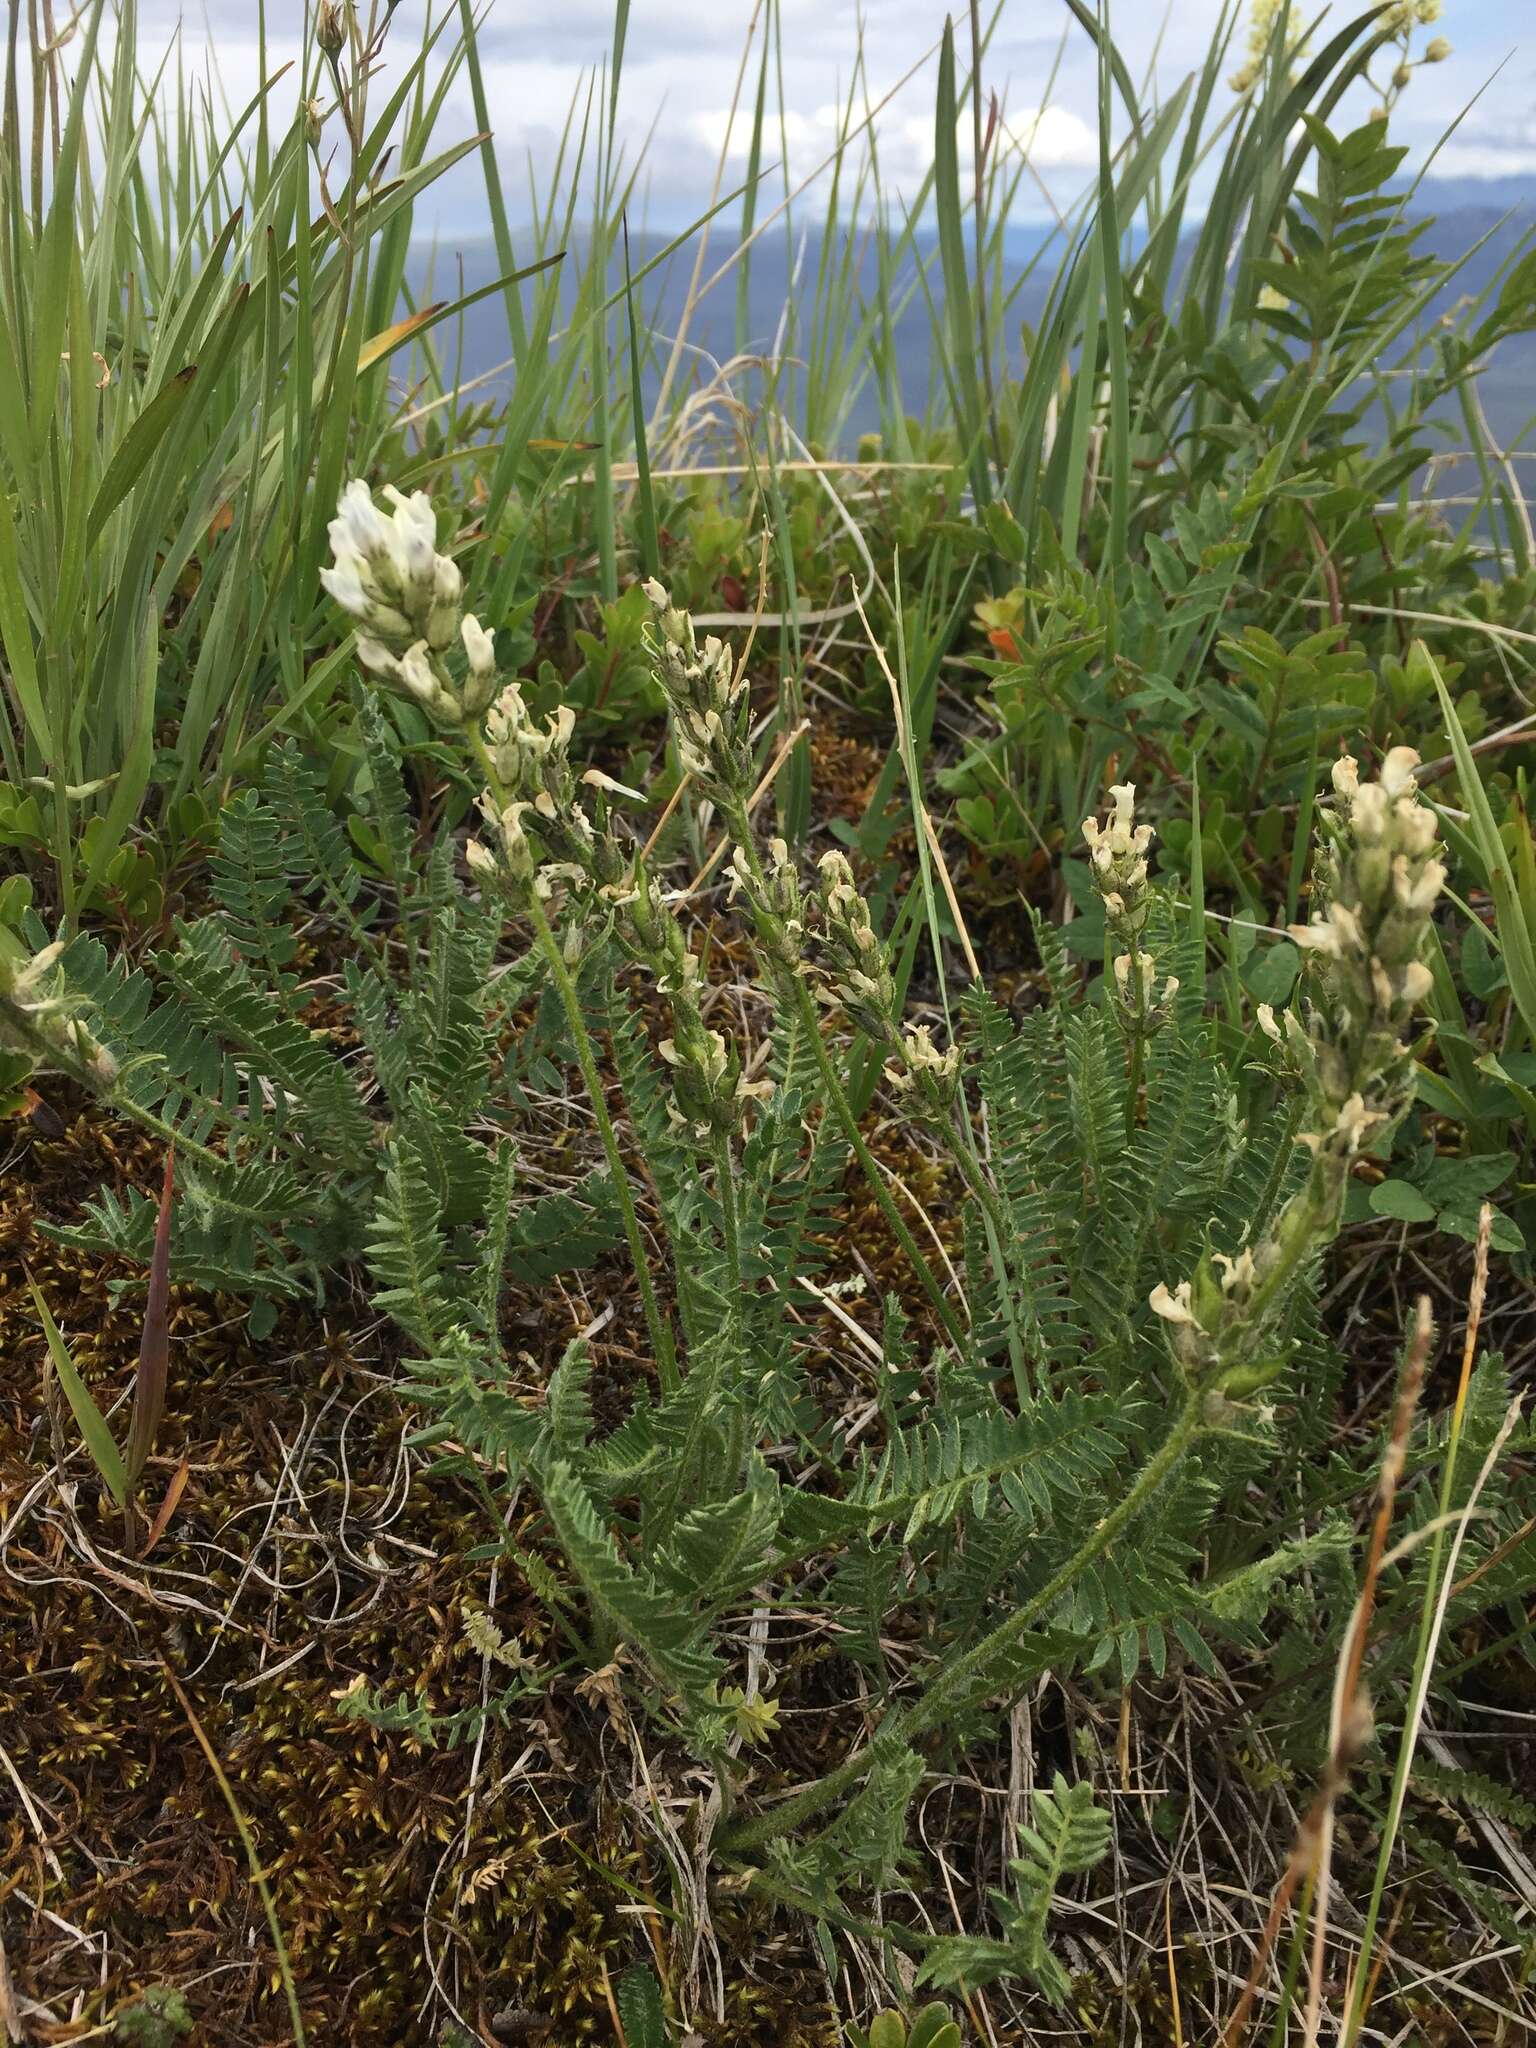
(684, 57)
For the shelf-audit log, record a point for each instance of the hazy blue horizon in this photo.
(718, 330)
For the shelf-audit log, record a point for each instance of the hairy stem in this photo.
(960, 1679)
(725, 1184)
(1138, 1058)
(741, 831)
(586, 1059)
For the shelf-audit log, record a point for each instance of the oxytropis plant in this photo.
(1230, 1318)
(1111, 1332)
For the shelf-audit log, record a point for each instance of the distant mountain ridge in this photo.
(1494, 195)
(1482, 220)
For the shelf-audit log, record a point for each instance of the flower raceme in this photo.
(406, 601)
(1117, 853)
(861, 982)
(928, 1079)
(36, 1019)
(1396, 17)
(1117, 861)
(1381, 880)
(856, 963)
(772, 893)
(707, 698)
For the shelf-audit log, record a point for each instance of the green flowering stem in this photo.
(586, 1059)
(731, 1230)
(971, 1173)
(843, 1109)
(740, 827)
(726, 1186)
(1138, 1051)
(947, 1693)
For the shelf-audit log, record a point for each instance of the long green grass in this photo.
(190, 368)
(1184, 501)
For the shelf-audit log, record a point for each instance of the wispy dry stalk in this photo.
(1434, 1619)
(1351, 1721)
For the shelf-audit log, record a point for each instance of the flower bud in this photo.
(479, 646)
(330, 27)
(855, 959)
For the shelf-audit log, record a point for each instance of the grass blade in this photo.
(94, 1429)
(155, 1344)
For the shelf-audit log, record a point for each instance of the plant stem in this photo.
(570, 1002)
(843, 1109)
(947, 1692)
(740, 826)
(1138, 1058)
(725, 1185)
(565, 987)
(976, 1181)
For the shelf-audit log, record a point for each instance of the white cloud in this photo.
(1484, 160)
(1052, 137)
(684, 62)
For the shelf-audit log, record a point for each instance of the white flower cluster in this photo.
(1397, 17)
(1263, 17)
(405, 597)
(1137, 992)
(37, 1021)
(1117, 858)
(1203, 1315)
(855, 959)
(928, 1079)
(1382, 879)
(709, 1092)
(707, 699)
(1117, 854)
(861, 982)
(773, 895)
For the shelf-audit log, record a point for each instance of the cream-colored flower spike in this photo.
(927, 1078)
(1117, 859)
(707, 697)
(1380, 882)
(854, 957)
(406, 601)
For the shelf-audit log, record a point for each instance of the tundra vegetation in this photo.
(769, 1196)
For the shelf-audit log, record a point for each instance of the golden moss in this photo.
(305, 1552)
